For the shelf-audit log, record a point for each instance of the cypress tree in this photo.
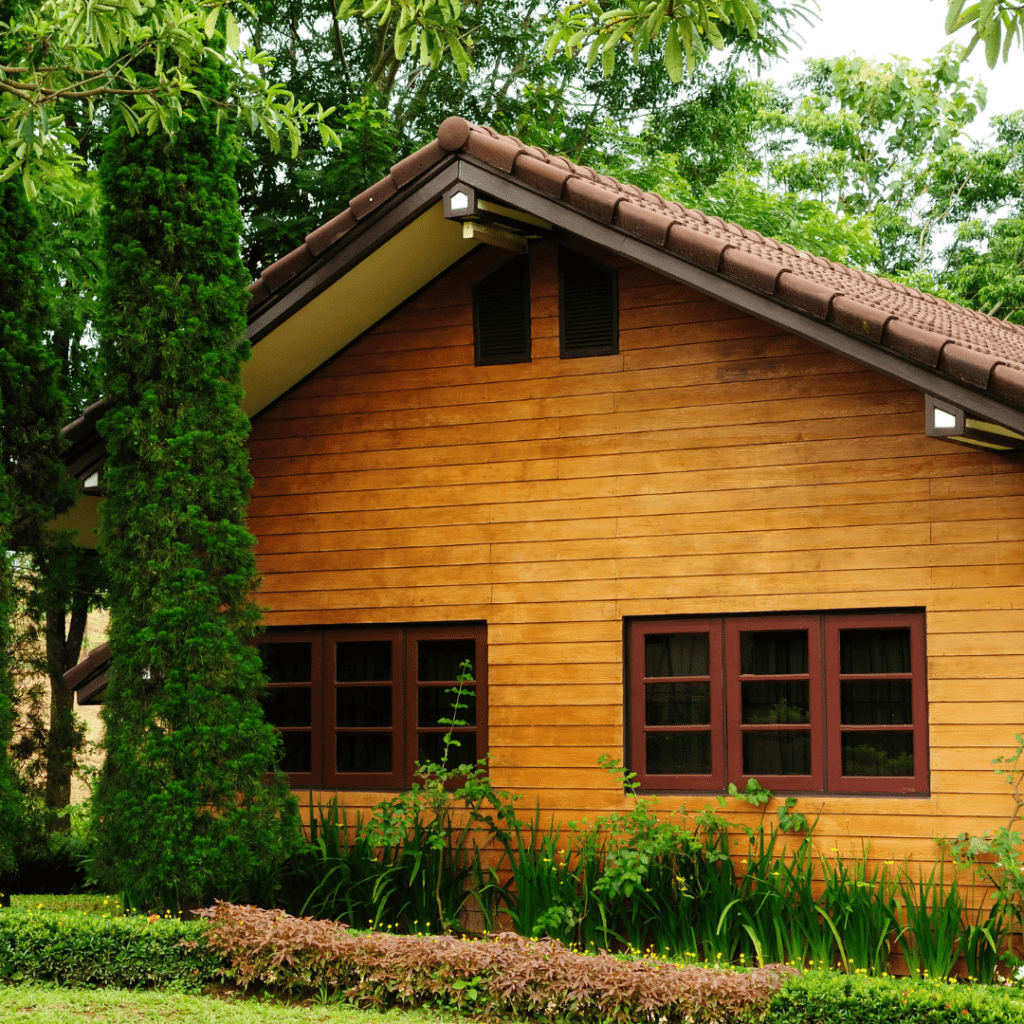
(185, 808)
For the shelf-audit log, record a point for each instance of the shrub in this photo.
(856, 999)
(84, 949)
(511, 976)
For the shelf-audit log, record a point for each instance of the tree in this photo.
(33, 483)
(184, 808)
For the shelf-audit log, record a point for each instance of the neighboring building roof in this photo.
(89, 677)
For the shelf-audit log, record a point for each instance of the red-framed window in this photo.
(357, 707)
(821, 702)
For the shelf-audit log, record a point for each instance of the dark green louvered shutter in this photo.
(501, 314)
(588, 306)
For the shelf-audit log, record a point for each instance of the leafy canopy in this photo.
(142, 58)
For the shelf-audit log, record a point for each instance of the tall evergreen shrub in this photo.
(185, 808)
(33, 483)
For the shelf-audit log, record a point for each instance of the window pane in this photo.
(679, 753)
(775, 653)
(363, 661)
(877, 702)
(776, 753)
(878, 753)
(287, 663)
(874, 650)
(675, 654)
(435, 703)
(363, 706)
(677, 703)
(431, 748)
(364, 751)
(298, 752)
(781, 701)
(440, 660)
(288, 706)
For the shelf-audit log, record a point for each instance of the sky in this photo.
(877, 29)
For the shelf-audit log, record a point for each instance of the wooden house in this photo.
(684, 496)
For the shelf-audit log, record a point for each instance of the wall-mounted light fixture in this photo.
(490, 222)
(951, 423)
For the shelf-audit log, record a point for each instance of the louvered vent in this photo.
(501, 315)
(588, 306)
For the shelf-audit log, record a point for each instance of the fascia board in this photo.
(400, 252)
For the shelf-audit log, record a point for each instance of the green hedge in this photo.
(84, 949)
(854, 999)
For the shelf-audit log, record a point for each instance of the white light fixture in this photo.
(951, 423)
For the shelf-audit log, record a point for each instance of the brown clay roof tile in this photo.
(968, 346)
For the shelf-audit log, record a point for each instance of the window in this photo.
(356, 707)
(588, 307)
(827, 703)
(501, 314)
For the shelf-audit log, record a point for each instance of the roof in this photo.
(973, 361)
(962, 345)
(89, 677)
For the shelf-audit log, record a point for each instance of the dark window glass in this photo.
(776, 653)
(679, 753)
(436, 702)
(775, 701)
(364, 751)
(431, 748)
(776, 753)
(677, 703)
(874, 650)
(675, 654)
(878, 753)
(363, 707)
(288, 706)
(298, 752)
(440, 661)
(876, 702)
(588, 306)
(501, 314)
(287, 663)
(363, 661)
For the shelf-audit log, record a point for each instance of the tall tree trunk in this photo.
(63, 649)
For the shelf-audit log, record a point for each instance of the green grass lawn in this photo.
(44, 1004)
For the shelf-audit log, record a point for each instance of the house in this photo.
(682, 495)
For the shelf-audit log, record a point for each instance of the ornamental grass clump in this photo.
(506, 976)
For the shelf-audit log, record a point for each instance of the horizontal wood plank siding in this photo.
(714, 465)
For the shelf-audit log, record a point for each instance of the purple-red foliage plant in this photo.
(506, 976)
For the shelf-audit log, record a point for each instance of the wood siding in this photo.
(714, 465)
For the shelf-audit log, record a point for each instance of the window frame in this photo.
(405, 685)
(918, 699)
(824, 691)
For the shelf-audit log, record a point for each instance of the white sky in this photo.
(877, 29)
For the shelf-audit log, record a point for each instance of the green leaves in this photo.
(429, 29)
(142, 58)
(682, 26)
(998, 24)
